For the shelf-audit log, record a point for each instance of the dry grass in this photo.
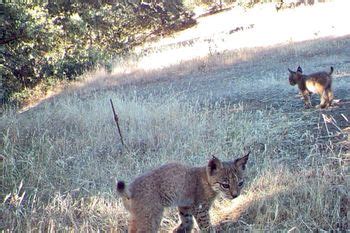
(240, 28)
(60, 159)
(65, 156)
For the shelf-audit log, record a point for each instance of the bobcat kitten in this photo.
(191, 189)
(319, 83)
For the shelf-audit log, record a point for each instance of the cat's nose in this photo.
(234, 195)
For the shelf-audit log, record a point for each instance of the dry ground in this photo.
(61, 157)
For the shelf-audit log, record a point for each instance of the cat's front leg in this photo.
(201, 214)
(186, 218)
(307, 100)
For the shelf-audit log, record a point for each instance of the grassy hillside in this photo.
(59, 157)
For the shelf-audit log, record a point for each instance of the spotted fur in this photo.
(191, 189)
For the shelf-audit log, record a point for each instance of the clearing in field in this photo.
(204, 91)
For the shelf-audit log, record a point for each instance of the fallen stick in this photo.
(116, 119)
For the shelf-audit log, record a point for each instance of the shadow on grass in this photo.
(196, 77)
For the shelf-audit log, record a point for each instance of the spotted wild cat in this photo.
(319, 83)
(191, 189)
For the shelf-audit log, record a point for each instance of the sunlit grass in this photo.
(257, 27)
(60, 159)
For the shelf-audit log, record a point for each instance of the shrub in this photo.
(62, 40)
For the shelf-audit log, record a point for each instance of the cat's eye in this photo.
(224, 185)
(240, 184)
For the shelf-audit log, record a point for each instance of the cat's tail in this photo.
(122, 189)
(331, 72)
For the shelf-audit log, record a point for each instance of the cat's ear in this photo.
(300, 70)
(241, 162)
(214, 165)
(290, 71)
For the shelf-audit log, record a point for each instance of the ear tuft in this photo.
(120, 186)
(299, 69)
(241, 162)
(213, 165)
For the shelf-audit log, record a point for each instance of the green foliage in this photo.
(61, 39)
(25, 47)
